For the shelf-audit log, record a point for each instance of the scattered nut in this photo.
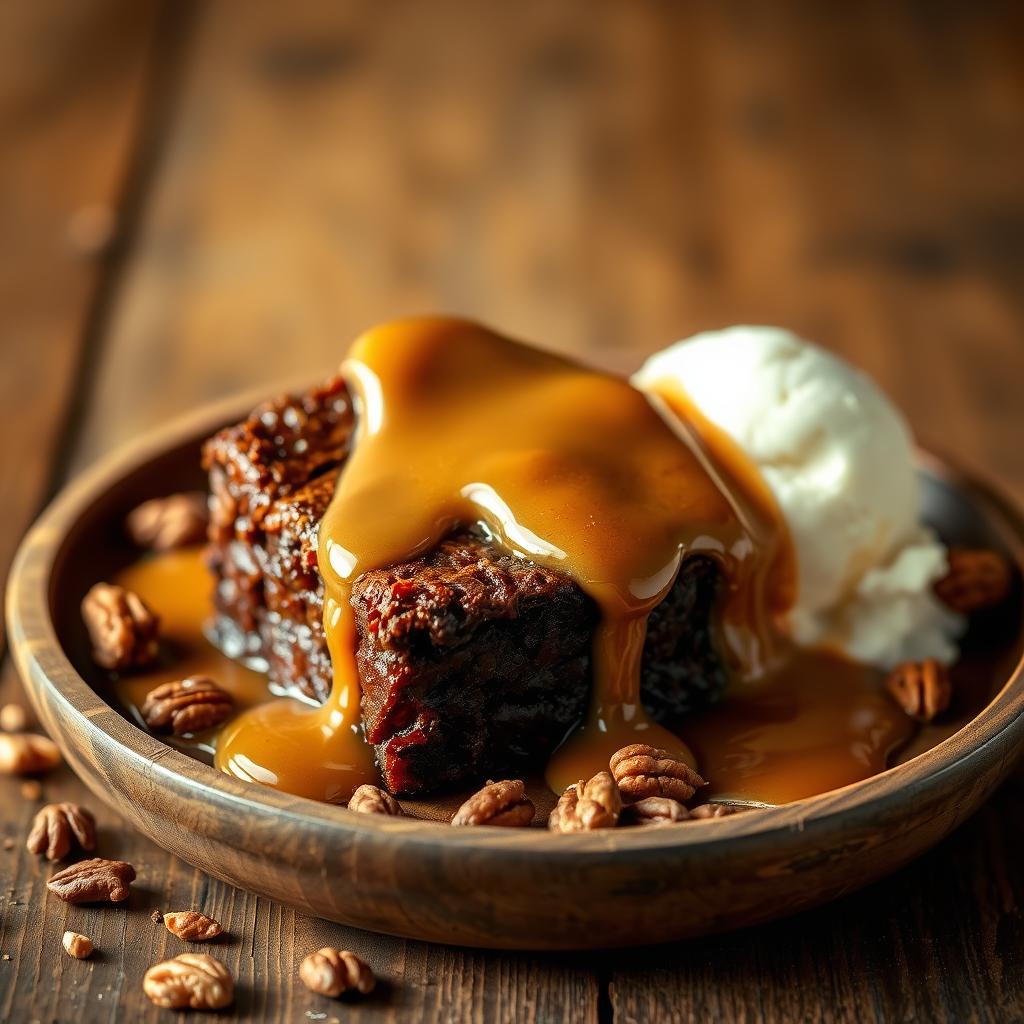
(641, 771)
(59, 827)
(8, 843)
(923, 689)
(25, 753)
(654, 810)
(93, 881)
(77, 945)
(187, 705)
(192, 980)
(498, 803)
(31, 789)
(167, 523)
(369, 799)
(121, 626)
(156, 917)
(333, 971)
(976, 579)
(13, 718)
(586, 806)
(192, 926)
(716, 810)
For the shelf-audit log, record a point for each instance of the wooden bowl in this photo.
(484, 887)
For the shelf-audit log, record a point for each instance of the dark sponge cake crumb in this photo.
(471, 661)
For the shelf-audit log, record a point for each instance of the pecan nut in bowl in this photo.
(93, 881)
(332, 972)
(369, 799)
(499, 803)
(922, 688)
(58, 828)
(187, 706)
(642, 771)
(977, 579)
(122, 627)
(589, 805)
(25, 753)
(164, 524)
(192, 926)
(716, 810)
(654, 810)
(190, 981)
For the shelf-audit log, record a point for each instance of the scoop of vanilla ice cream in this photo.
(838, 458)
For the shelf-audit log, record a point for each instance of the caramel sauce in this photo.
(565, 466)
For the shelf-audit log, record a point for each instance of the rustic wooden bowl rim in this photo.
(44, 664)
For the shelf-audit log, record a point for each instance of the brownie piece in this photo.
(471, 661)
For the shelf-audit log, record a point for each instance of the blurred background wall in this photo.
(200, 197)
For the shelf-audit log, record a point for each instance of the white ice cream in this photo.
(838, 457)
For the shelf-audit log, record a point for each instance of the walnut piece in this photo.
(332, 971)
(93, 881)
(13, 718)
(192, 926)
(57, 828)
(922, 688)
(77, 945)
(716, 810)
(499, 803)
(25, 753)
(122, 628)
(187, 705)
(585, 806)
(369, 799)
(654, 810)
(164, 524)
(976, 579)
(192, 980)
(642, 771)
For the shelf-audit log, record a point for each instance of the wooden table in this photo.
(198, 198)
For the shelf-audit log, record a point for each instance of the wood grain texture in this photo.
(601, 177)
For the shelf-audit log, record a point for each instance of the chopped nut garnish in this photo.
(654, 810)
(586, 806)
(641, 771)
(923, 689)
(167, 523)
(333, 971)
(192, 980)
(77, 945)
(13, 718)
(59, 827)
(187, 705)
(93, 881)
(25, 753)
(369, 799)
(192, 926)
(976, 579)
(498, 803)
(121, 626)
(716, 810)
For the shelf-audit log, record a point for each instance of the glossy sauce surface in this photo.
(568, 467)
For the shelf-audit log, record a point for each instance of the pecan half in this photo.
(93, 881)
(332, 971)
(77, 945)
(187, 705)
(121, 626)
(167, 523)
(25, 753)
(976, 579)
(13, 718)
(59, 827)
(192, 926)
(654, 810)
(498, 803)
(369, 799)
(192, 980)
(587, 805)
(922, 688)
(641, 771)
(716, 810)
